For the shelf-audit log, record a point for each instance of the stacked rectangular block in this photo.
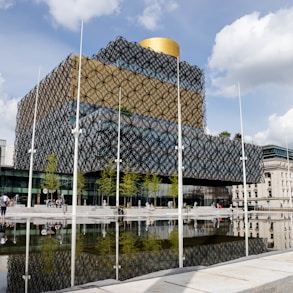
(149, 125)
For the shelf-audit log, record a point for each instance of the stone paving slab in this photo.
(271, 273)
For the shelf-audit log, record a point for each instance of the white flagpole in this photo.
(289, 174)
(180, 179)
(32, 150)
(76, 131)
(243, 158)
(118, 151)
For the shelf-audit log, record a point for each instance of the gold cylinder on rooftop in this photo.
(162, 45)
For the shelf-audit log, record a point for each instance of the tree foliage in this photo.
(125, 111)
(152, 185)
(80, 185)
(128, 186)
(152, 243)
(107, 181)
(106, 244)
(49, 246)
(237, 136)
(51, 180)
(128, 242)
(225, 134)
(173, 188)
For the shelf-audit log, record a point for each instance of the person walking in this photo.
(4, 201)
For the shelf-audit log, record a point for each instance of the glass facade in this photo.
(148, 81)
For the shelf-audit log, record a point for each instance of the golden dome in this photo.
(162, 45)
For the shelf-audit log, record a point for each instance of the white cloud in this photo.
(153, 12)
(255, 51)
(278, 130)
(21, 75)
(69, 13)
(5, 4)
(8, 110)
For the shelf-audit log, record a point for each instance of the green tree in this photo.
(51, 180)
(49, 246)
(125, 111)
(237, 136)
(225, 134)
(128, 186)
(128, 241)
(146, 183)
(152, 243)
(80, 185)
(173, 187)
(106, 248)
(173, 238)
(107, 181)
(152, 186)
(106, 244)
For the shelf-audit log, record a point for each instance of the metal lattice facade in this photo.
(148, 132)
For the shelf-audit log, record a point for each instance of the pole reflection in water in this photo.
(180, 239)
(73, 249)
(60, 237)
(104, 233)
(117, 266)
(139, 227)
(26, 275)
(14, 232)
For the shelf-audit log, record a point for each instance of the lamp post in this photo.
(32, 150)
(118, 160)
(289, 174)
(243, 158)
(76, 131)
(180, 180)
(180, 147)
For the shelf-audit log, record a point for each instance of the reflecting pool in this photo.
(47, 254)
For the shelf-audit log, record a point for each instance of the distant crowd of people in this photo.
(58, 203)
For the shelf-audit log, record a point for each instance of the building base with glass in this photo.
(148, 80)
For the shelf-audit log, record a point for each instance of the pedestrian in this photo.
(4, 201)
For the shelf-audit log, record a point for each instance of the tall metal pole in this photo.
(180, 180)
(117, 266)
(180, 147)
(289, 174)
(76, 131)
(73, 249)
(32, 150)
(118, 161)
(26, 275)
(243, 158)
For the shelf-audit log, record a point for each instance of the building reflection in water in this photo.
(66, 253)
(275, 228)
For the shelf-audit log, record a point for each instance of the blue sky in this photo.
(245, 41)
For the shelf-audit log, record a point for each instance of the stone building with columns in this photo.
(275, 191)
